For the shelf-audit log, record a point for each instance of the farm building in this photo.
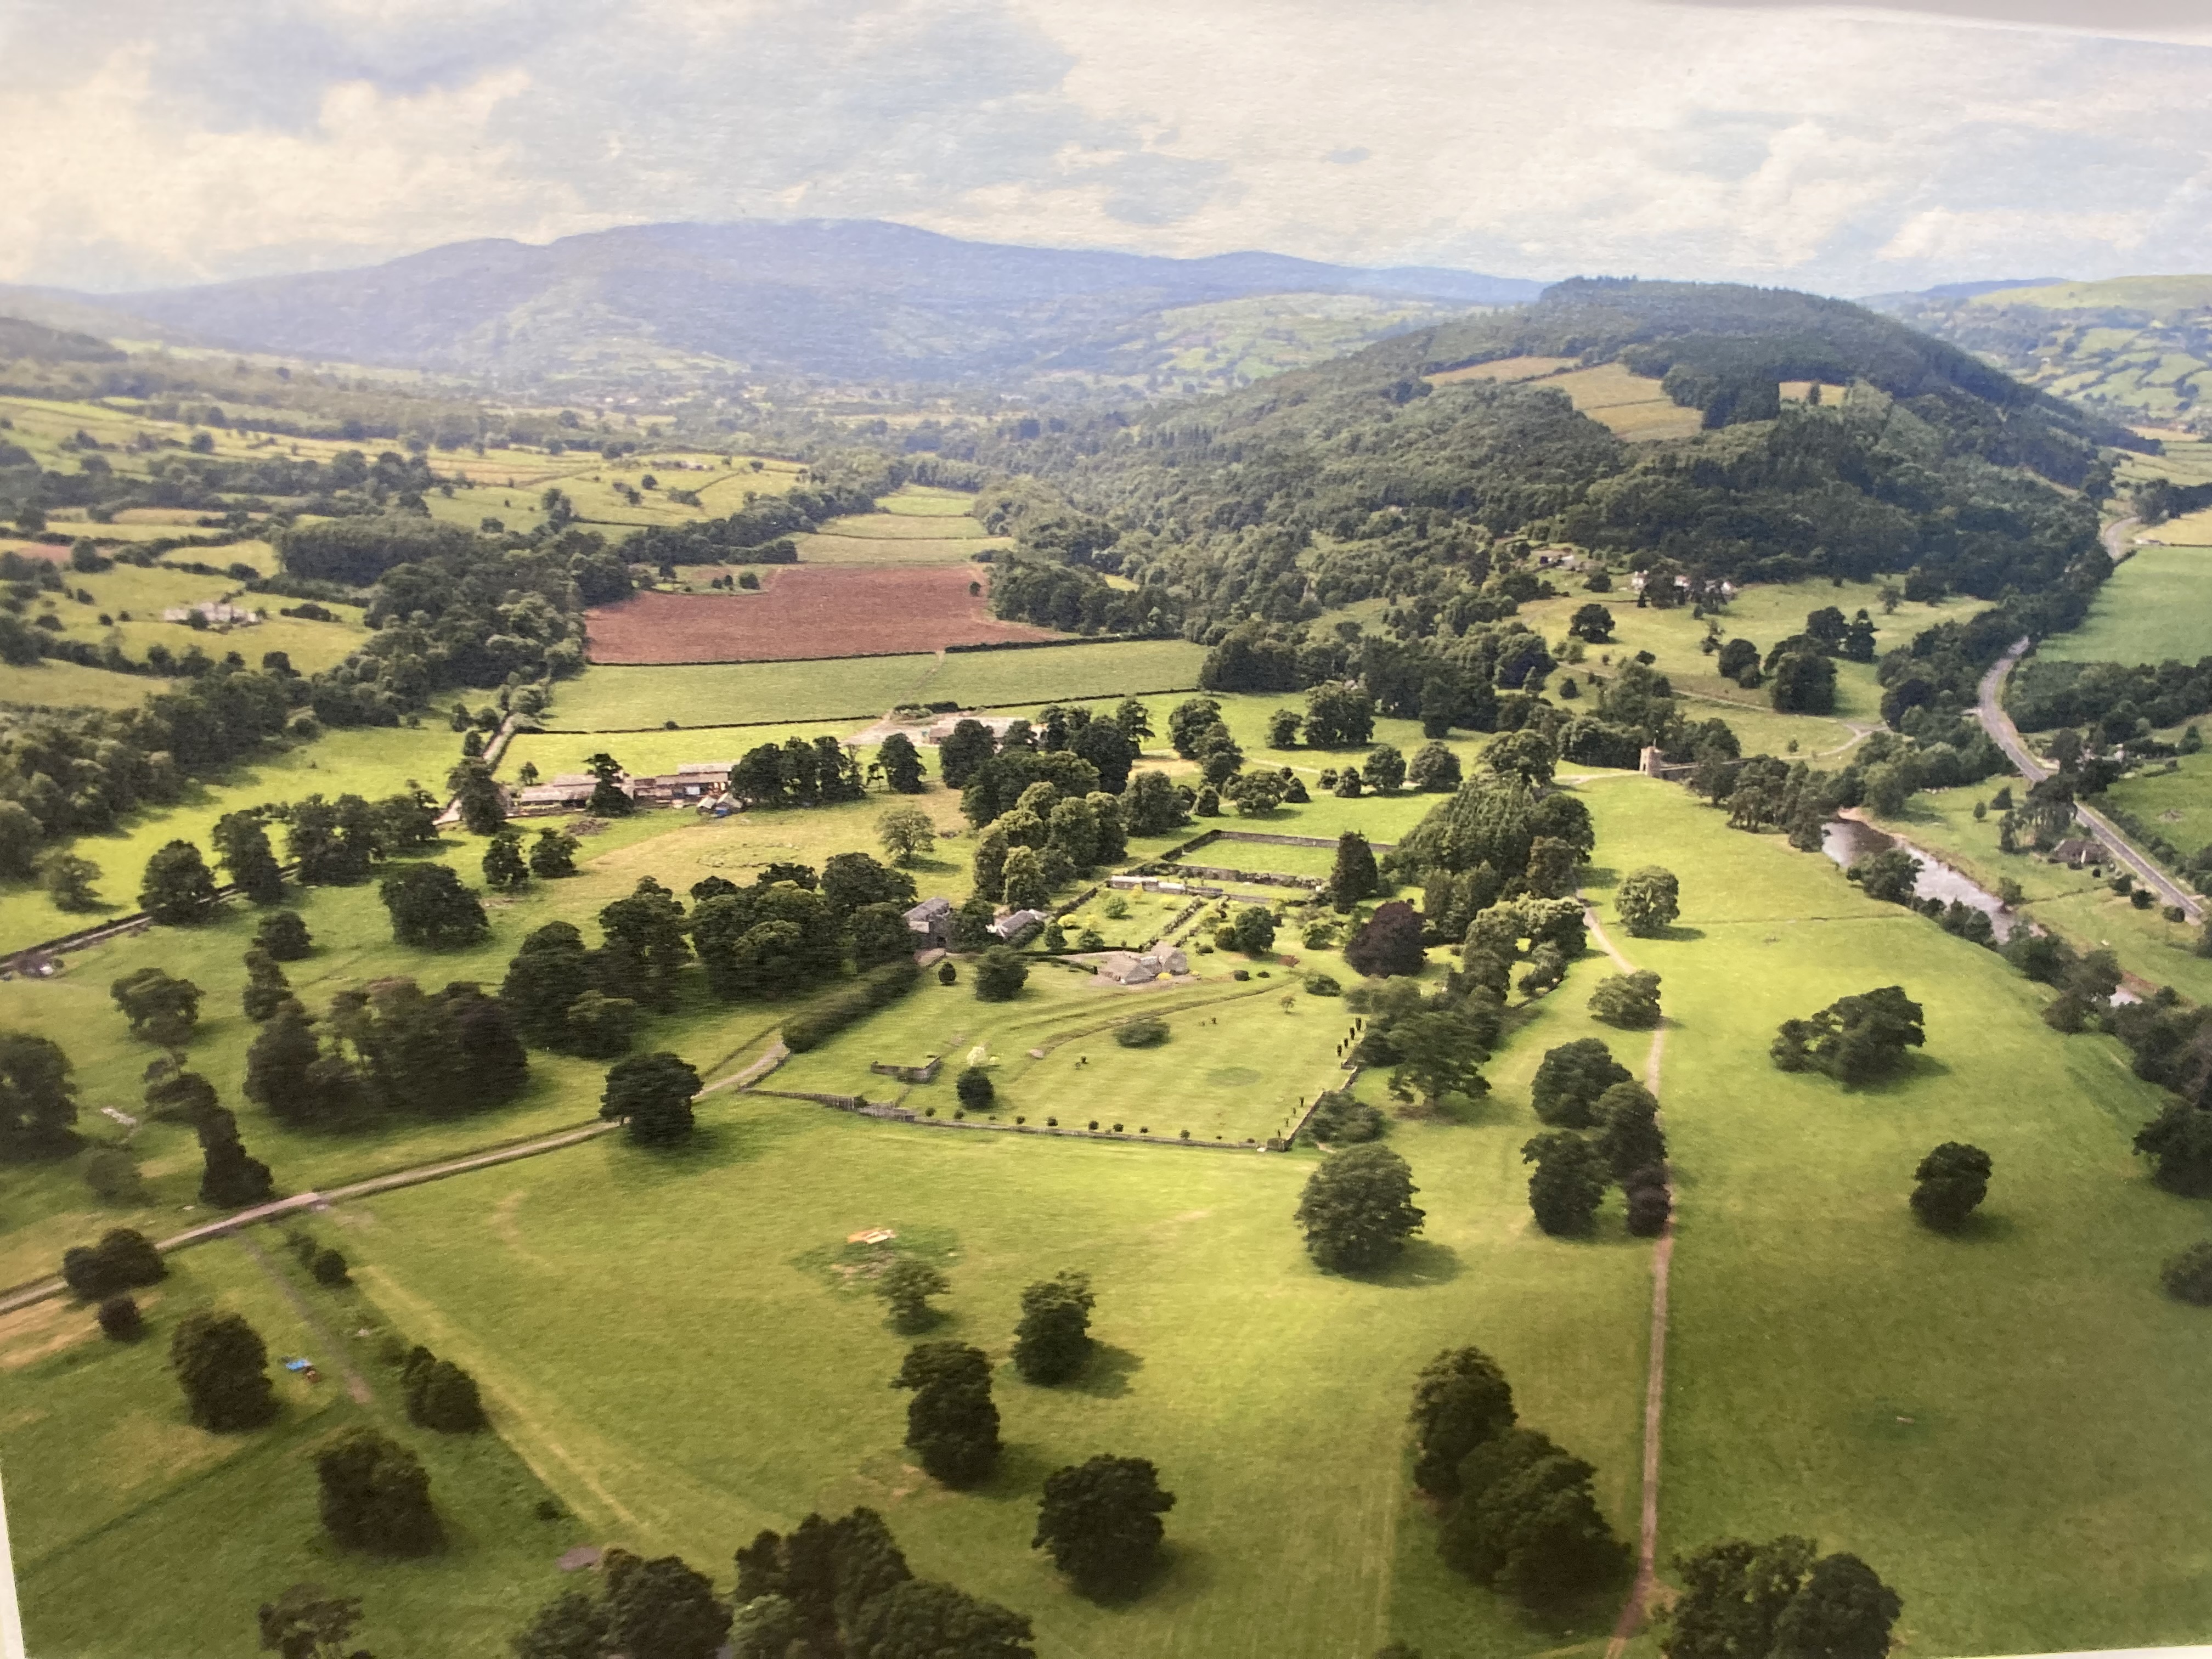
(215, 612)
(1018, 924)
(1129, 968)
(2077, 851)
(931, 921)
(690, 784)
(566, 792)
(942, 729)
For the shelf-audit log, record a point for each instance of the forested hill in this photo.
(1363, 475)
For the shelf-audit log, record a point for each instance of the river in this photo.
(1847, 841)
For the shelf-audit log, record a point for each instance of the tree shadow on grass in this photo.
(1920, 1066)
(1106, 1375)
(1423, 1263)
(1979, 1228)
(1177, 1569)
(710, 1145)
(1676, 933)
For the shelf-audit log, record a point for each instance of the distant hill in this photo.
(2134, 349)
(31, 342)
(1384, 473)
(834, 299)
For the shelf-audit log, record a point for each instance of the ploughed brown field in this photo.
(804, 612)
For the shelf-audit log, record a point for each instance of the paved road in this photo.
(2000, 726)
(2119, 537)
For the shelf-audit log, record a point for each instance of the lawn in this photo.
(2005, 1423)
(1064, 673)
(2155, 605)
(2178, 804)
(370, 762)
(1237, 1065)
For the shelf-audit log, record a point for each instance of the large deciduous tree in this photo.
(951, 1423)
(1100, 1521)
(1855, 1039)
(161, 1009)
(654, 1093)
(1569, 1183)
(1460, 1400)
(242, 842)
(1647, 900)
(1949, 1184)
(179, 890)
(1526, 1521)
(1358, 1209)
(431, 910)
(222, 1366)
(38, 1097)
(1052, 1340)
(1388, 942)
(376, 1495)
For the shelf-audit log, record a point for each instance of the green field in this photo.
(53, 683)
(2178, 803)
(1318, 1555)
(1236, 1067)
(610, 698)
(618, 699)
(2156, 605)
(2077, 905)
(370, 762)
(102, 1468)
(1765, 613)
(2004, 1423)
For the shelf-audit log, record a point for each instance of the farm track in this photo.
(1655, 1378)
(356, 1385)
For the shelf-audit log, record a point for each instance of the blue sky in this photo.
(1852, 150)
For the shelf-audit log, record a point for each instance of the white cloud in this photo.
(1768, 140)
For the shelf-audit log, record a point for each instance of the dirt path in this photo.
(23, 1295)
(1654, 1376)
(356, 1385)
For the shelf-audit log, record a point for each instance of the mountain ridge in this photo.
(820, 298)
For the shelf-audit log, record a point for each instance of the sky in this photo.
(1849, 150)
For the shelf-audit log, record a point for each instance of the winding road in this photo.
(1999, 725)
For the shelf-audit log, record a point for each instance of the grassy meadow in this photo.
(2080, 907)
(2155, 605)
(617, 698)
(370, 760)
(753, 1391)
(2003, 1422)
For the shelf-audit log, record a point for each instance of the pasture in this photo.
(2079, 907)
(805, 611)
(1212, 1326)
(1900, 1397)
(624, 697)
(617, 698)
(364, 761)
(2155, 605)
(51, 683)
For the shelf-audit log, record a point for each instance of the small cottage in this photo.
(931, 923)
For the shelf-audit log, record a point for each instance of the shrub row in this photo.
(874, 989)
